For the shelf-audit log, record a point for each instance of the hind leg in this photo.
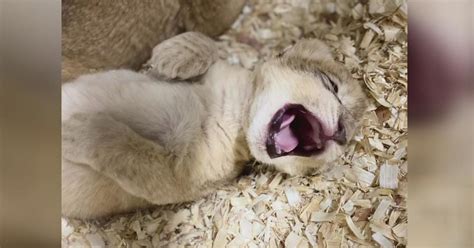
(88, 194)
(139, 166)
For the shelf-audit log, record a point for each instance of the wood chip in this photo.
(364, 177)
(357, 232)
(390, 32)
(293, 240)
(293, 197)
(322, 216)
(220, 240)
(400, 230)
(380, 212)
(388, 177)
(373, 27)
(382, 241)
(368, 36)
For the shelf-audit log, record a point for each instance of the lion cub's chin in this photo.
(298, 165)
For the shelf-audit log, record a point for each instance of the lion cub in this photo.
(131, 140)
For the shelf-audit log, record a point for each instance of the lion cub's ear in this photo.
(312, 49)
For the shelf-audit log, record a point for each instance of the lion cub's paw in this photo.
(183, 57)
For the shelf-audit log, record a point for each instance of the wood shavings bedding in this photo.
(360, 201)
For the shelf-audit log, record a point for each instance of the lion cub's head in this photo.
(306, 109)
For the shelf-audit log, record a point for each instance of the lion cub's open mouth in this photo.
(296, 131)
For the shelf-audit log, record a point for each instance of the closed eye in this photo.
(333, 85)
(330, 85)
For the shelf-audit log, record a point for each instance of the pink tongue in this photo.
(285, 140)
(287, 119)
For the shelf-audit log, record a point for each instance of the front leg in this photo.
(141, 167)
(183, 57)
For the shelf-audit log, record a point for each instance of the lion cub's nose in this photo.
(340, 135)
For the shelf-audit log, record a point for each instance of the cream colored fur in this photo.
(132, 140)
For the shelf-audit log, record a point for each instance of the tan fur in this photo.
(110, 34)
(130, 140)
(185, 57)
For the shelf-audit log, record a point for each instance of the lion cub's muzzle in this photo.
(296, 131)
